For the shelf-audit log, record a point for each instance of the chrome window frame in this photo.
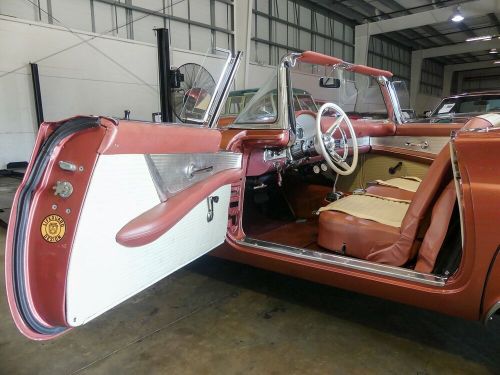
(282, 119)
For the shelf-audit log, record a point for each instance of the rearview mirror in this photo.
(329, 82)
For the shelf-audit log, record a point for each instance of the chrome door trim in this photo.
(173, 173)
(491, 312)
(346, 262)
(431, 145)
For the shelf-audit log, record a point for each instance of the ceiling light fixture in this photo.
(496, 62)
(457, 16)
(493, 50)
(479, 38)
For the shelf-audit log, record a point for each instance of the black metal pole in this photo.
(37, 93)
(164, 73)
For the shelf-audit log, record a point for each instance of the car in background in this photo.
(462, 107)
(237, 100)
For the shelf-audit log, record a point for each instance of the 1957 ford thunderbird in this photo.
(407, 212)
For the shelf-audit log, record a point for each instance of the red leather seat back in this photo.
(435, 235)
(438, 176)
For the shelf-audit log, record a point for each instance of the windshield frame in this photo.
(289, 61)
(281, 121)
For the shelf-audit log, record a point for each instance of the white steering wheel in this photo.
(325, 142)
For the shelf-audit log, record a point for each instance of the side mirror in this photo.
(427, 113)
(329, 82)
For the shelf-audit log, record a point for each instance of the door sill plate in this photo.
(343, 261)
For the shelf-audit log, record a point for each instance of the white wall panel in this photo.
(78, 80)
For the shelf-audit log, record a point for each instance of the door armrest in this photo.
(155, 222)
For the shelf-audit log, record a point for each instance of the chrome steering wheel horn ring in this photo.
(335, 161)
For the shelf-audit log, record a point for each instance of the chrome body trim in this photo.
(173, 173)
(362, 141)
(393, 96)
(343, 261)
(431, 145)
(222, 94)
(457, 178)
(263, 126)
(491, 312)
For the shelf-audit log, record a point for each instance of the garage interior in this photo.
(62, 58)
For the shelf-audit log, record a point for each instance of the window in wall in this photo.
(144, 26)
(193, 24)
(199, 11)
(156, 5)
(431, 81)
(103, 19)
(295, 28)
(390, 56)
(24, 10)
(179, 34)
(75, 14)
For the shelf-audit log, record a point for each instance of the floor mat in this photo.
(301, 233)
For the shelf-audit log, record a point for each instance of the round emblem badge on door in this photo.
(53, 228)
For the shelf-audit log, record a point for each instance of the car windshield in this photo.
(234, 104)
(358, 94)
(306, 102)
(468, 104)
(263, 107)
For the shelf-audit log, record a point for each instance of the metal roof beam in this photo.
(410, 21)
(458, 48)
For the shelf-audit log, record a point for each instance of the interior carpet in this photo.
(301, 233)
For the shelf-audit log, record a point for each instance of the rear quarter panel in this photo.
(477, 154)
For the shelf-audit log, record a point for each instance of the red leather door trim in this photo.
(150, 225)
(133, 137)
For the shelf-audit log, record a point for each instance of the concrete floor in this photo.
(217, 317)
(8, 187)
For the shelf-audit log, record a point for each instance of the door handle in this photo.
(192, 170)
(423, 145)
(210, 202)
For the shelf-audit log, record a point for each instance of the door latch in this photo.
(210, 202)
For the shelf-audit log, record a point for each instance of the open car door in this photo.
(107, 208)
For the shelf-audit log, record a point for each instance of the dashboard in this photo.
(304, 151)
